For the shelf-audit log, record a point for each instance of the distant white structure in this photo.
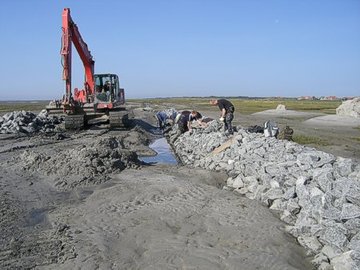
(349, 108)
(281, 107)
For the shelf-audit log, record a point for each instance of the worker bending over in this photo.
(166, 116)
(185, 118)
(194, 116)
(227, 113)
(182, 120)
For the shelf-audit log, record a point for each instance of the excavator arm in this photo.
(71, 35)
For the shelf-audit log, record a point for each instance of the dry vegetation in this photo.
(243, 105)
(32, 106)
(249, 106)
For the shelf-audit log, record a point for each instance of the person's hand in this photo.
(221, 119)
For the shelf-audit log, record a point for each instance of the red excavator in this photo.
(101, 96)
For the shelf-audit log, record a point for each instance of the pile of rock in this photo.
(82, 165)
(315, 193)
(349, 108)
(28, 122)
(281, 107)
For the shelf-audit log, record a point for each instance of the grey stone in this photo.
(325, 158)
(325, 266)
(316, 230)
(289, 193)
(230, 182)
(352, 225)
(335, 237)
(307, 157)
(252, 186)
(275, 169)
(331, 213)
(353, 194)
(278, 205)
(288, 218)
(252, 168)
(310, 243)
(340, 187)
(273, 183)
(293, 207)
(242, 191)
(272, 194)
(324, 178)
(355, 242)
(350, 211)
(238, 182)
(290, 181)
(346, 261)
(330, 251)
(343, 167)
(320, 258)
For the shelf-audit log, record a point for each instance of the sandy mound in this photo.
(282, 112)
(86, 164)
(334, 120)
(349, 108)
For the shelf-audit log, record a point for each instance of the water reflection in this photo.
(164, 153)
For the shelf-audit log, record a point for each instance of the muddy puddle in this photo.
(165, 155)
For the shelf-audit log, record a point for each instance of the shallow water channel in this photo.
(165, 155)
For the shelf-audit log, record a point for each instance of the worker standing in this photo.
(227, 113)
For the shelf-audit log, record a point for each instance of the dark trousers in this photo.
(182, 124)
(228, 119)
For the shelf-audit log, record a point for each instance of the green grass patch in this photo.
(32, 106)
(242, 105)
(309, 140)
(356, 139)
(249, 106)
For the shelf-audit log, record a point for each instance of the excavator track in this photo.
(119, 119)
(74, 121)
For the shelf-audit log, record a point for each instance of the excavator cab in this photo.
(107, 89)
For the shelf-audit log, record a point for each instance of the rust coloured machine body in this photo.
(101, 95)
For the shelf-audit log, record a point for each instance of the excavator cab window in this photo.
(98, 85)
(106, 87)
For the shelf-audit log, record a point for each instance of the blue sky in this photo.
(187, 47)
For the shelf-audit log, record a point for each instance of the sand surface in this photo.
(165, 217)
(334, 120)
(338, 135)
(145, 217)
(63, 209)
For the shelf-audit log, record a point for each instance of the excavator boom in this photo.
(71, 34)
